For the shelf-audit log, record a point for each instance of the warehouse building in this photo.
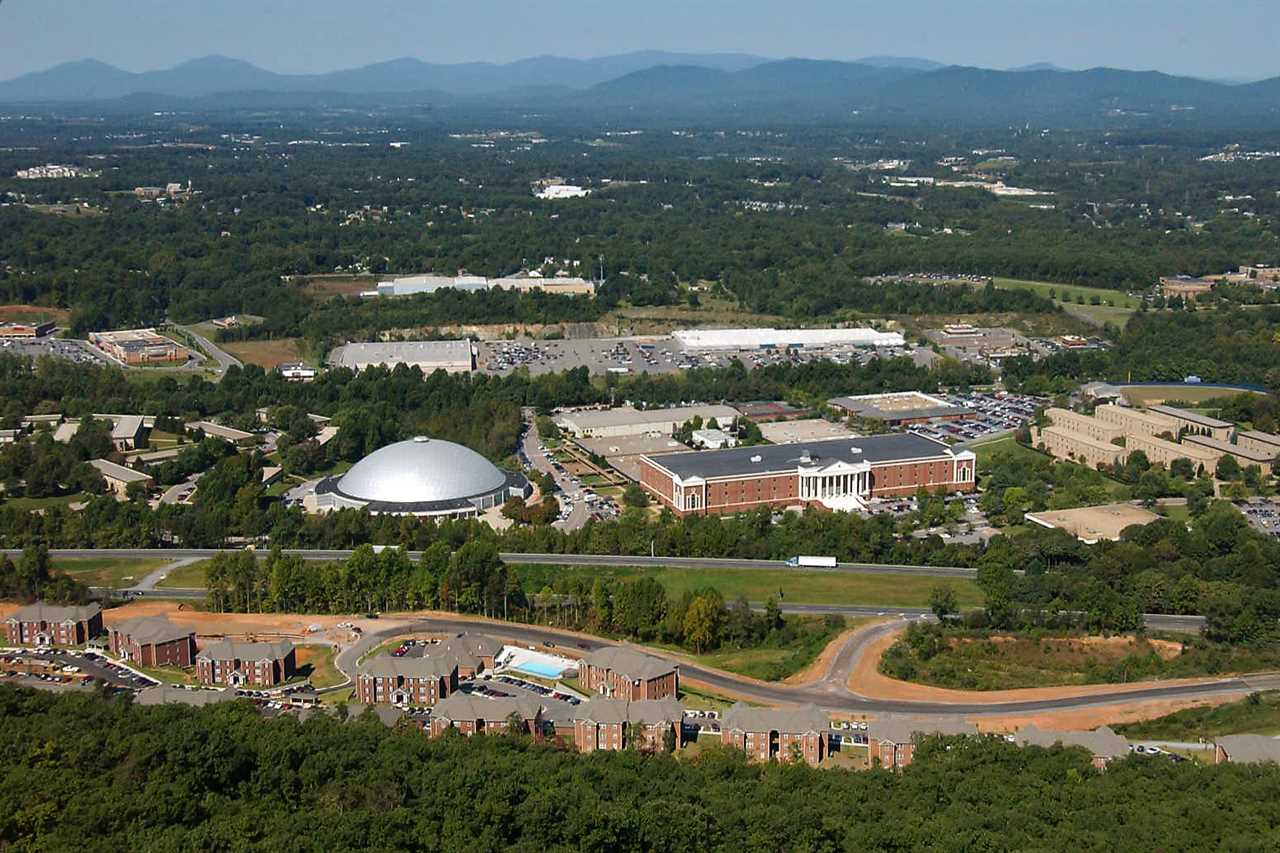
(743, 339)
(139, 346)
(628, 420)
(901, 409)
(427, 356)
(839, 474)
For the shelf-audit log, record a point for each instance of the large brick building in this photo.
(474, 715)
(768, 734)
(474, 653)
(405, 680)
(621, 673)
(43, 624)
(610, 724)
(153, 641)
(891, 741)
(1103, 745)
(236, 664)
(837, 473)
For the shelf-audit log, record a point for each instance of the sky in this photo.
(1220, 39)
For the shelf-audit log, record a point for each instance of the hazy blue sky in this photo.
(1213, 38)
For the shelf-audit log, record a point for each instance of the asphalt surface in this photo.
(830, 692)
(580, 513)
(224, 358)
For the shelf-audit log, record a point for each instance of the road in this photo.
(224, 358)
(830, 692)
(607, 560)
(579, 514)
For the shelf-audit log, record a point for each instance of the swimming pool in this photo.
(539, 668)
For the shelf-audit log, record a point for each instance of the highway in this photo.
(608, 560)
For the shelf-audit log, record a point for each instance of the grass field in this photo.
(1248, 716)
(775, 664)
(988, 449)
(316, 663)
(29, 504)
(1121, 306)
(190, 576)
(1145, 395)
(796, 586)
(107, 571)
(33, 314)
(267, 354)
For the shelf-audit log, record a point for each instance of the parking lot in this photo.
(996, 413)
(59, 669)
(1263, 515)
(69, 350)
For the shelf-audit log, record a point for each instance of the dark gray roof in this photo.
(389, 666)
(599, 709)
(782, 458)
(868, 409)
(796, 719)
(1250, 749)
(630, 663)
(1191, 417)
(903, 729)
(387, 714)
(1102, 742)
(148, 630)
(1259, 456)
(464, 706)
(236, 650)
(1262, 437)
(165, 694)
(41, 612)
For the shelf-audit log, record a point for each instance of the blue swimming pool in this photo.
(538, 668)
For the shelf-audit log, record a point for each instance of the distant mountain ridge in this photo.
(668, 84)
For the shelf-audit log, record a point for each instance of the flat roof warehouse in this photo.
(736, 339)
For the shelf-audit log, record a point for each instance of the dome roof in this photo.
(421, 470)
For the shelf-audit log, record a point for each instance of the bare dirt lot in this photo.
(32, 314)
(267, 354)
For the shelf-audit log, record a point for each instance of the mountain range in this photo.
(653, 81)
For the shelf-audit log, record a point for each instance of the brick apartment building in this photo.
(475, 715)
(622, 673)
(839, 473)
(609, 724)
(153, 641)
(1246, 749)
(769, 734)
(237, 664)
(1103, 744)
(43, 624)
(891, 741)
(406, 681)
(475, 653)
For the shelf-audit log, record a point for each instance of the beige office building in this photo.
(1084, 425)
(1158, 450)
(1244, 456)
(1259, 442)
(1065, 444)
(1137, 422)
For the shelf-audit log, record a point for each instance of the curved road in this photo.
(830, 692)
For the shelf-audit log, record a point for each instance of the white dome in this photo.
(419, 471)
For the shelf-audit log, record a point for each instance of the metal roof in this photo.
(781, 458)
(408, 352)
(421, 470)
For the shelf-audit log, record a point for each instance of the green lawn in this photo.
(190, 576)
(986, 450)
(775, 664)
(699, 700)
(29, 504)
(107, 571)
(799, 587)
(1117, 313)
(316, 663)
(1260, 715)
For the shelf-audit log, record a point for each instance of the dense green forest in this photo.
(780, 222)
(90, 773)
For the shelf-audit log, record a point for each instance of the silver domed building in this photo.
(422, 476)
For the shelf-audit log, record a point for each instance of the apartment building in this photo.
(1137, 422)
(622, 673)
(892, 740)
(1103, 744)
(392, 680)
(777, 734)
(1246, 749)
(238, 664)
(152, 641)
(474, 715)
(43, 624)
(474, 653)
(601, 723)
